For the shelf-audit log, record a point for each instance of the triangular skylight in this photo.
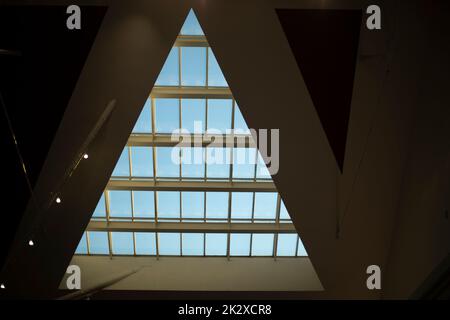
(153, 206)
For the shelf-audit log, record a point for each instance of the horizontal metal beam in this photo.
(150, 185)
(191, 92)
(193, 140)
(191, 227)
(191, 41)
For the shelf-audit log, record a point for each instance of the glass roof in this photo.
(208, 199)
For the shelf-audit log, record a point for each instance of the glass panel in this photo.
(244, 163)
(218, 162)
(262, 244)
(98, 242)
(168, 204)
(193, 162)
(167, 115)
(191, 26)
(166, 166)
(262, 172)
(144, 122)
(169, 244)
(215, 75)
(216, 244)
(193, 66)
(301, 251)
(193, 204)
(169, 73)
(217, 205)
(240, 244)
(286, 245)
(82, 245)
(192, 244)
(265, 205)
(122, 168)
(144, 204)
(120, 203)
(193, 113)
(240, 126)
(142, 161)
(100, 210)
(219, 114)
(122, 243)
(241, 205)
(283, 212)
(145, 243)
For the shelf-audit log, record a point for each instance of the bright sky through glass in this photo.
(187, 67)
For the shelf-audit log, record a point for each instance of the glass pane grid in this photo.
(191, 64)
(191, 244)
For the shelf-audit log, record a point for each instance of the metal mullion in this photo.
(181, 244)
(88, 243)
(206, 128)
(251, 244)
(278, 209)
(157, 244)
(110, 244)
(207, 66)
(229, 222)
(155, 200)
(179, 67)
(253, 207)
(181, 126)
(204, 206)
(275, 246)
(232, 134)
(256, 163)
(296, 246)
(181, 206)
(108, 221)
(204, 244)
(134, 243)
(130, 163)
(106, 192)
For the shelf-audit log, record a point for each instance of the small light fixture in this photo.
(31, 243)
(2, 286)
(58, 200)
(85, 156)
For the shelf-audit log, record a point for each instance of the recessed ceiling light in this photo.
(85, 156)
(2, 286)
(31, 243)
(58, 200)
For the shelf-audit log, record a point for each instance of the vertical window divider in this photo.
(229, 225)
(207, 66)
(110, 244)
(251, 244)
(88, 245)
(296, 246)
(155, 198)
(134, 243)
(179, 67)
(277, 222)
(180, 150)
(232, 138)
(206, 147)
(157, 245)
(181, 244)
(253, 207)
